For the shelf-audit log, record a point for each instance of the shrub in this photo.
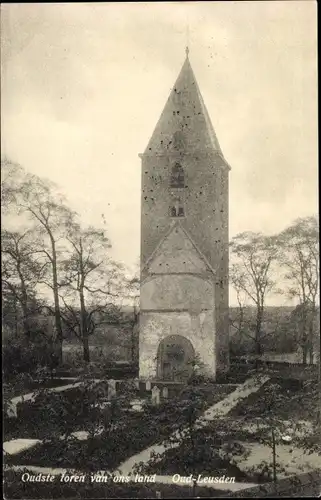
(199, 378)
(25, 357)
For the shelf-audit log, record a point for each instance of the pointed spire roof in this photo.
(184, 124)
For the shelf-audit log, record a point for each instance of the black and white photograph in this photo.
(160, 250)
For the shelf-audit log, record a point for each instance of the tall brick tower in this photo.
(184, 241)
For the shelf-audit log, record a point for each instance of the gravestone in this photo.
(111, 389)
(137, 405)
(136, 382)
(299, 354)
(165, 392)
(148, 385)
(155, 395)
(12, 410)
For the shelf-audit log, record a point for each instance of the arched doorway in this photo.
(175, 358)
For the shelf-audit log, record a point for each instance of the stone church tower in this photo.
(184, 241)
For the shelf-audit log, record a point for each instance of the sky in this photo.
(83, 85)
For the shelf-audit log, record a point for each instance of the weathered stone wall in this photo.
(176, 292)
(176, 305)
(177, 254)
(206, 204)
(155, 326)
(206, 221)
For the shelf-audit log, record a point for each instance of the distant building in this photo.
(184, 241)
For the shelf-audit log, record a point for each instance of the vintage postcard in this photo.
(160, 250)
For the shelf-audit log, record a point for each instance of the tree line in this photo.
(285, 264)
(52, 264)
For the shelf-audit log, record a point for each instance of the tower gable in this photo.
(177, 253)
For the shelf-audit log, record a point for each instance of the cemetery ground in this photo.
(112, 429)
(245, 441)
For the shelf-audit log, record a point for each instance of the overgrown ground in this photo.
(15, 488)
(125, 433)
(200, 455)
(35, 384)
(295, 400)
(234, 436)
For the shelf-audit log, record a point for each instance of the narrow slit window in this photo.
(177, 209)
(173, 212)
(179, 141)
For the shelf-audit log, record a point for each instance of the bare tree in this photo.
(21, 272)
(252, 255)
(236, 280)
(92, 282)
(299, 257)
(39, 205)
(12, 176)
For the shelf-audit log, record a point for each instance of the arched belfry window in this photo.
(177, 176)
